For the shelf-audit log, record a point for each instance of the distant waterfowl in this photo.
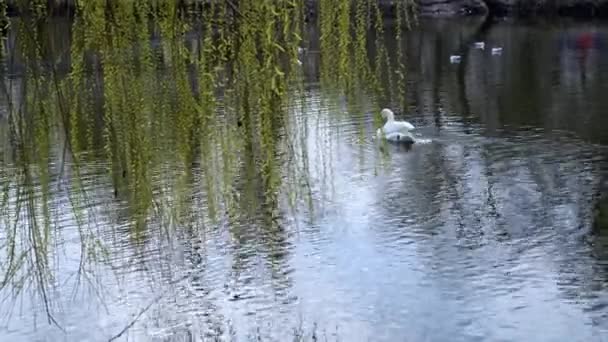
(397, 131)
(455, 59)
(496, 51)
(480, 45)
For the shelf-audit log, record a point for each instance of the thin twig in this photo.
(144, 310)
(236, 9)
(124, 330)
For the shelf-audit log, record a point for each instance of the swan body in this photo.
(398, 131)
(480, 45)
(496, 51)
(455, 59)
(407, 138)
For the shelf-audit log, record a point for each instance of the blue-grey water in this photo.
(483, 233)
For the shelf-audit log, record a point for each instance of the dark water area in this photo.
(483, 232)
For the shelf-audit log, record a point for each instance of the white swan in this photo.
(398, 131)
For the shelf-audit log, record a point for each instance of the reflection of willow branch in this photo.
(302, 175)
(436, 101)
(38, 243)
(145, 309)
(13, 262)
(64, 111)
(292, 160)
(40, 262)
(600, 212)
(479, 35)
(6, 90)
(38, 249)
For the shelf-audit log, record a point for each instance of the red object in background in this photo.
(584, 41)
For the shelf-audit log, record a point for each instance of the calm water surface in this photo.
(482, 234)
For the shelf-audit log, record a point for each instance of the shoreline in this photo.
(581, 9)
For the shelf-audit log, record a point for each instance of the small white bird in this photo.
(480, 45)
(496, 51)
(454, 59)
(398, 131)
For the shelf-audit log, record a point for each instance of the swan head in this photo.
(387, 114)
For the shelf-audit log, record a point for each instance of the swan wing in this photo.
(405, 125)
(398, 126)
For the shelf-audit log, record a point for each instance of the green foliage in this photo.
(198, 96)
(4, 21)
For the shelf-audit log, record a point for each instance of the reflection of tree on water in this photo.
(601, 213)
(536, 190)
(168, 179)
(153, 161)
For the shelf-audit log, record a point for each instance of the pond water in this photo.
(483, 233)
